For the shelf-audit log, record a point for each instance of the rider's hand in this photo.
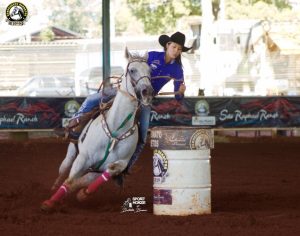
(182, 89)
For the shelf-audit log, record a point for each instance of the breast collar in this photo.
(108, 132)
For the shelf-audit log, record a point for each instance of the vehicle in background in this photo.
(91, 79)
(64, 86)
(46, 86)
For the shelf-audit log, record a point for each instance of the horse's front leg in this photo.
(65, 166)
(113, 169)
(79, 166)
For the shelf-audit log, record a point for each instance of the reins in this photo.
(132, 98)
(135, 83)
(165, 77)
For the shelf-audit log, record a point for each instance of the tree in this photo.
(47, 35)
(76, 15)
(125, 22)
(279, 4)
(259, 9)
(160, 16)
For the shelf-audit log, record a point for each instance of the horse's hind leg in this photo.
(65, 166)
(113, 169)
(83, 182)
(91, 183)
(117, 167)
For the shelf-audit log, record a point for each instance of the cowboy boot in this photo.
(67, 132)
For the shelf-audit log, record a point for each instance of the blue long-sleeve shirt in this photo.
(156, 61)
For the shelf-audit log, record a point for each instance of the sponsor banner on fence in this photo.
(228, 112)
(36, 113)
(218, 112)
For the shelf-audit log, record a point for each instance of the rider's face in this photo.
(173, 50)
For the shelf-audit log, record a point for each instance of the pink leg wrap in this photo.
(100, 180)
(60, 194)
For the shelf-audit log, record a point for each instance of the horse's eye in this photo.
(132, 71)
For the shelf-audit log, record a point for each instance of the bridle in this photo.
(133, 82)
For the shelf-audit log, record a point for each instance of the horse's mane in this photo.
(137, 56)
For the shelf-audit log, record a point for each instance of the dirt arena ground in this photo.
(255, 191)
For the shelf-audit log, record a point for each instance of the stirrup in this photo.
(73, 135)
(64, 133)
(60, 132)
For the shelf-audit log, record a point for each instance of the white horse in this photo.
(110, 140)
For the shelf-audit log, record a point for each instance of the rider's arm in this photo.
(179, 86)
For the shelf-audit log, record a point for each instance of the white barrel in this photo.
(181, 170)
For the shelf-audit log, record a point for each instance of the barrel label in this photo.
(201, 140)
(181, 139)
(160, 166)
(162, 196)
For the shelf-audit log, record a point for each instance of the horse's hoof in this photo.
(47, 206)
(83, 195)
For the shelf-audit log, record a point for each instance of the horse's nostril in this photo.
(144, 92)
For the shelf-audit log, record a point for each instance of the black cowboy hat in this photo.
(177, 37)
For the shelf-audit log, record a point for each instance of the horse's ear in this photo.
(146, 55)
(127, 54)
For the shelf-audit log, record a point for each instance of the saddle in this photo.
(73, 130)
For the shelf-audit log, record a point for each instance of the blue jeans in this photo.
(144, 121)
(93, 100)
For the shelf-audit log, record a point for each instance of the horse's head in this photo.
(14, 11)
(138, 71)
(17, 13)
